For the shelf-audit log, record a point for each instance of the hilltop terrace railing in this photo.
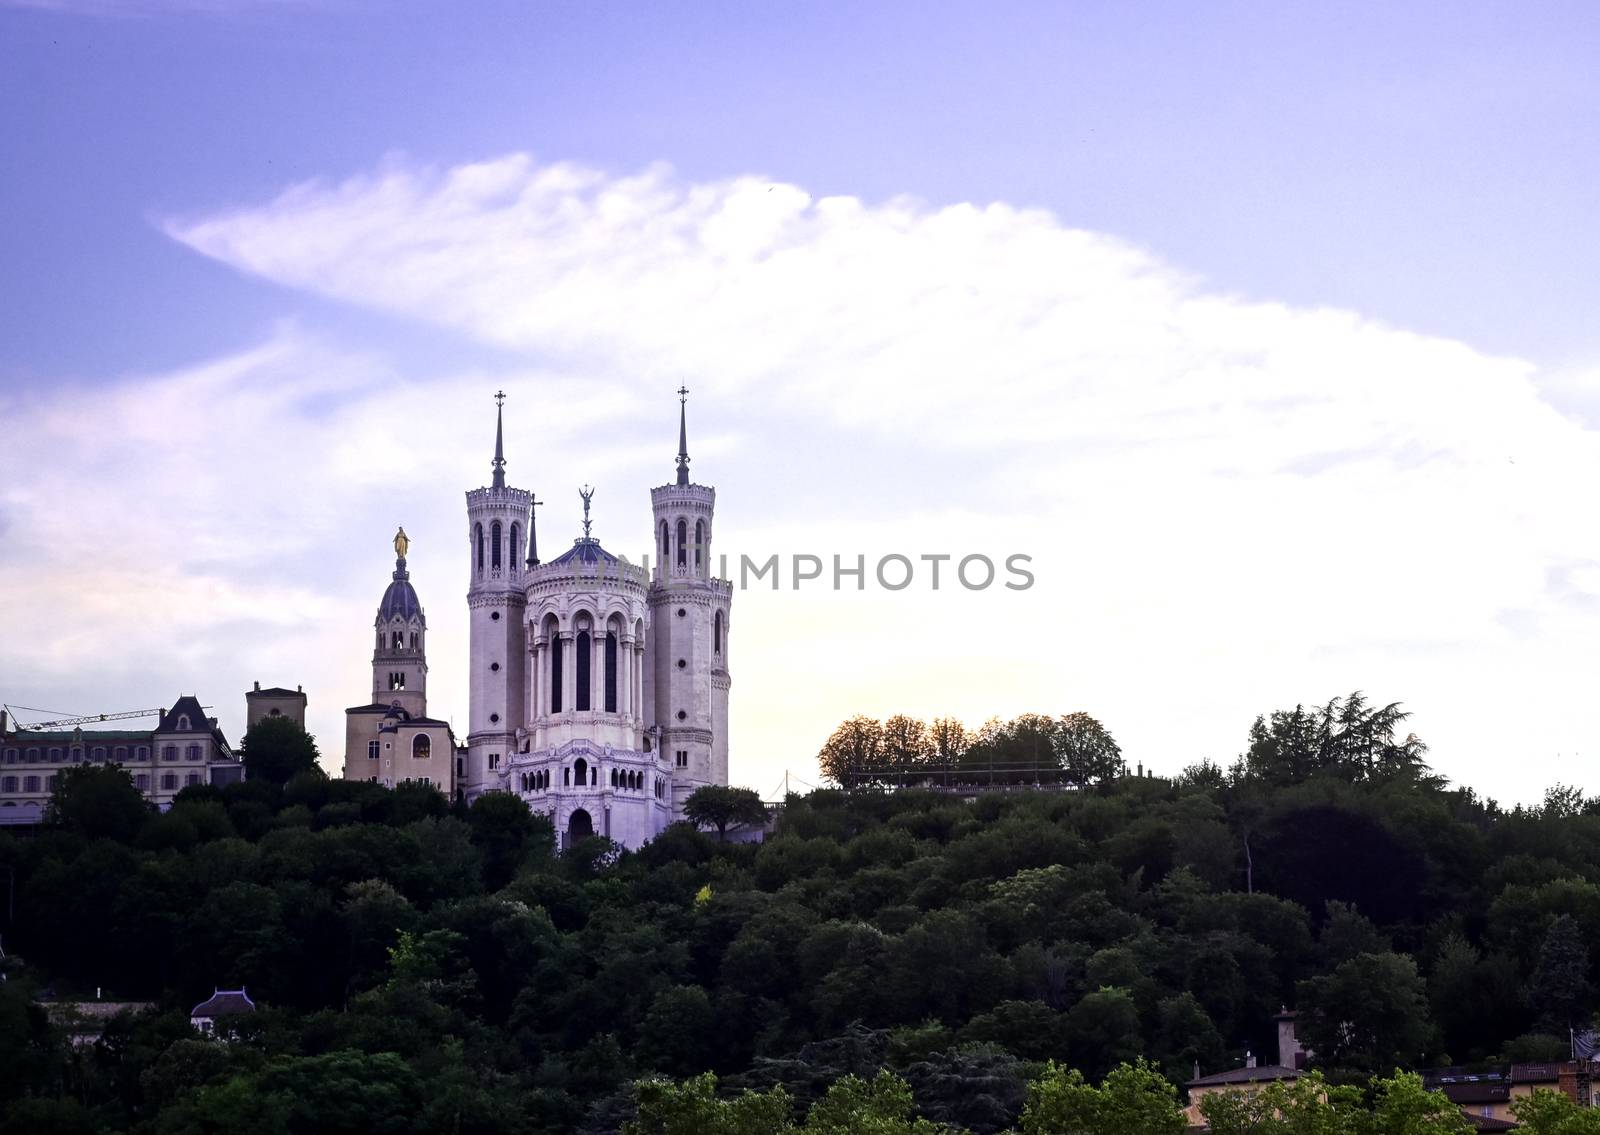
(984, 775)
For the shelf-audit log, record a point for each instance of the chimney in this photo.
(258, 687)
(2, 721)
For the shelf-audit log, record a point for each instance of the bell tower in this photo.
(400, 657)
(497, 533)
(688, 691)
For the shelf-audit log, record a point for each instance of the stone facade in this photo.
(275, 702)
(185, 748)
(599, 688)
(391, 740)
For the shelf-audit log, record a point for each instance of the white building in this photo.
(599, 688)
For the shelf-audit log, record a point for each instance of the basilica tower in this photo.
(497, 530)
(688, 690)
(400, 657)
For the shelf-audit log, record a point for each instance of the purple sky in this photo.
(1431, 168)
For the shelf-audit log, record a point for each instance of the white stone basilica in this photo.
(599, 688)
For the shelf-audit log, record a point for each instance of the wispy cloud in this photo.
(1231, 504)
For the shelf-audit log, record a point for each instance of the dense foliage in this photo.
(429, 967)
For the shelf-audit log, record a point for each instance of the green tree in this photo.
(97, 801)
(1307, 1106)
(1085, 750)
(276, 748)
(1133, 1099)
(1553, 1113)
(881, 1106)
(1402, 1106)
(692, 1108)
(1369, 1013)
(720, 805)
(505, 833)
(853, 753)
(1559, 988)
(1103, 1030)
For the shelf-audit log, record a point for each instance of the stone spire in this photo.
(533, 529)
(499, 445)
(683, 435)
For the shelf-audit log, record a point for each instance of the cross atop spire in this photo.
(683, 435)
(587, 494)
(499, 445)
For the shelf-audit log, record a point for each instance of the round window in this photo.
(682, 715)
(682, 664)
(494, 717)
(494, 666)
(494, 616)
(681, 612)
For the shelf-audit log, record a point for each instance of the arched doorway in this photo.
(579, 826)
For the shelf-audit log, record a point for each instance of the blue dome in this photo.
(401, 598)
(585, 551)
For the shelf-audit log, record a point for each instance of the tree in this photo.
(505, 832)
(98, 802)
(1553, 1113)
(1133, 1099)
(1103, 1030)
(853, 752)
(948, 740)
(720, 805)
(276, 748)
(1559, 988)
(1368, 1014)
(906, 745)
(1307, 1106)
(692, 1108)
(1402, 1106)
(1086, 750)
(881, 1106)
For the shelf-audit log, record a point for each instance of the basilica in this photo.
(598, 687)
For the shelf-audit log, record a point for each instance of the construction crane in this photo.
(69, 722)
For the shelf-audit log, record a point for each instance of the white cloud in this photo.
(1232, 505)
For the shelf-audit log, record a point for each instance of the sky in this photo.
(1263, 331)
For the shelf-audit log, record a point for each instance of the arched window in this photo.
(477, 535)
(683, 539)
(516, 546)
(192, 779)
(169, 752)
(580, 696)
(183, 721)
(580, 772)
(397, 640)
(716, 634)
(614, 779)
(699, 540)
(611, 672)
(566, 778)
(494, 546)
(665, 550)
(556, 668)
(192, 752)
(421, 747)
(416, 640)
